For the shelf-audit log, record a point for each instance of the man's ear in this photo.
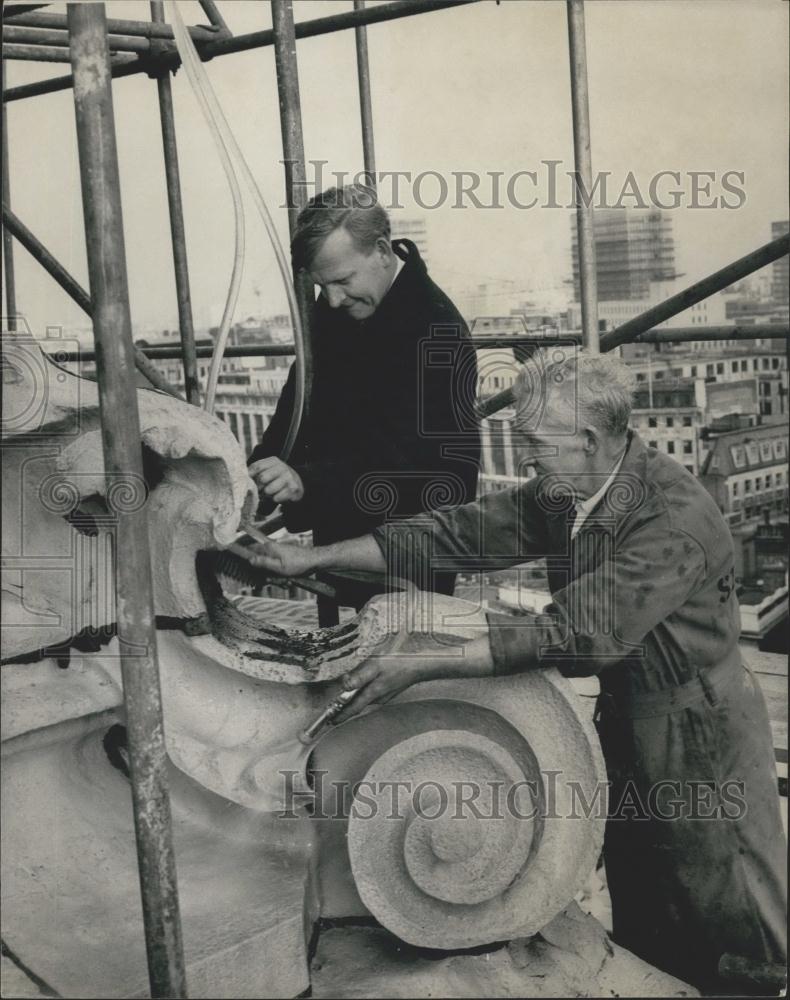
(384, 249)
(591, 441)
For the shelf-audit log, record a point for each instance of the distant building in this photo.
(414, 229)
(748, 311)
(709, 312)
(680, 417)
(780, 269)
(765, 362)
(248, 388)
(746, 472)
(633, 249)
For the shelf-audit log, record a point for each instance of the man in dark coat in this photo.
(391, 429)
(641, 572)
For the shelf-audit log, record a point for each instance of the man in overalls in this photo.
(640, 568)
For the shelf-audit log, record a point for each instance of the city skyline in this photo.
(433, 118)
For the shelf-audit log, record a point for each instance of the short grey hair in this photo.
(600, 387)
(354, 207)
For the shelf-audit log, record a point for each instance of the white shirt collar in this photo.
(585, 507)
(398, 268)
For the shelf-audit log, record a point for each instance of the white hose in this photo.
(229, 152)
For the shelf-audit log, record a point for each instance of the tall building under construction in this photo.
(633, 248)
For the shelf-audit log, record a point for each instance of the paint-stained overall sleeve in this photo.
(602, 616)
(499, 530)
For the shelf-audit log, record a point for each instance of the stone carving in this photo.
(59, 512)
(235, 698)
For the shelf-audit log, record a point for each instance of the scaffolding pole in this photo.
(209, 45)
(677, 335)
(294, 163)
(583, 169)
(12, 226)
(177, 231)
(8, 243)
(101, 197)
(211, 11)
(60, 38)
(365, 104)
(715, 282)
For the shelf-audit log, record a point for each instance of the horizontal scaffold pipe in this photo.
(716, 282)
(35, 53)
(677, 335)
(48, 36)
(115, 26)
(210, 45)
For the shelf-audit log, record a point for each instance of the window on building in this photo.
(258, 426)
(653, 444)
(720, 368)
(734, 366)
(670, 421)
(640, 376)
(652, 422)
(693, 371)
(246, 422)
(670, 447)
(758, 483)
(689, 468)
(688, 448)
(233, 420)
(766, 363)
(774, 362)
(734, 486)
(768, 482)
(747, 486)
(755, 364)
(687, 421)
(744, 365)
(708, 369)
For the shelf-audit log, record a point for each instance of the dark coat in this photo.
(391, 430)
(644, 598)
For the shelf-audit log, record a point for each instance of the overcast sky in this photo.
(674, 85)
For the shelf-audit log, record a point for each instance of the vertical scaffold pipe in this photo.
(365, 104)
(584, 179)
(126, 494)
(177, 232)
(295, 176)
(8, 240)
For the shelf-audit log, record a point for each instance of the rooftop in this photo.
(746, 449)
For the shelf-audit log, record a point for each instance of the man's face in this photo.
(552, 442)
(350, 280)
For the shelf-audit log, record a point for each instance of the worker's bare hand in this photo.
(405, 659)
(279, 559)
(385, 674)
(277, 480)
